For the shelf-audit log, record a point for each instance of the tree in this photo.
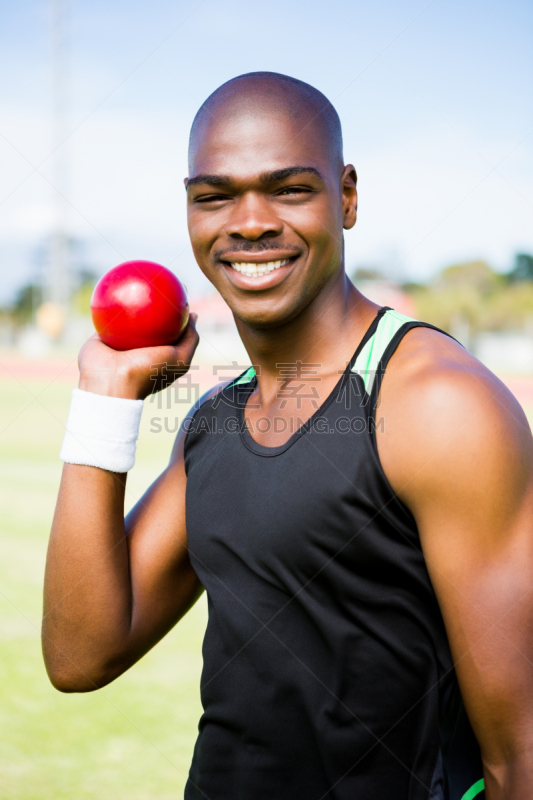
(522, 269)
(474, 295)
(27, 300)
(366, 274)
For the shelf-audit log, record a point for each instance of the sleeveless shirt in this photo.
(327, 671)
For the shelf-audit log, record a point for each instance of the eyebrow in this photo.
(265, 178)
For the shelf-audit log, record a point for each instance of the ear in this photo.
(185, 183)
(349, 196)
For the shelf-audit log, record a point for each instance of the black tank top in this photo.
(327, 671)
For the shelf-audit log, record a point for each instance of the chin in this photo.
(263, 322)
(269, 317)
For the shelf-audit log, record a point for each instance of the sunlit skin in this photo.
(455, 445)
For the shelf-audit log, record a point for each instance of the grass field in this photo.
(134, 738)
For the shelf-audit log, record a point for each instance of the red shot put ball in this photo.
(139, 304)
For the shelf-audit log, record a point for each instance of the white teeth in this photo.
(253, 270)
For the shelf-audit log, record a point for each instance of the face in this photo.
(266, 210)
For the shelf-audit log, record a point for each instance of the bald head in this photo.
(267, 94)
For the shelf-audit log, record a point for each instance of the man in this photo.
(358, 505)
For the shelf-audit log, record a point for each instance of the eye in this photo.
(211, 198)
(294, 190)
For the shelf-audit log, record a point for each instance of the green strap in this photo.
(368, 359)
(246, 378)
(474, 790)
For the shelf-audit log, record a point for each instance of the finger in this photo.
(190, 329)
(188, 341)
(179, 354)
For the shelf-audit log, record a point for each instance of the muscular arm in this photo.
(114, 587)
(458, 451)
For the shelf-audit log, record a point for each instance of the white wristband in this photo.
(102, 431)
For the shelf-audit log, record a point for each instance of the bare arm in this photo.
(458, 451)
(114, 587)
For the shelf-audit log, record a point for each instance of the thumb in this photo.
(186, 345)
(189, 333)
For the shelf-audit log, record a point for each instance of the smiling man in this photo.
(358, 505)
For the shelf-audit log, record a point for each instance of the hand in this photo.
(134, 374)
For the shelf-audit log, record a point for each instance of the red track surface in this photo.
(65, 370)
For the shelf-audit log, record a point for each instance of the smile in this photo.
(254, 270)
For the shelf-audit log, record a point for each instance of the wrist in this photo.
(102, 431)
(116, 383)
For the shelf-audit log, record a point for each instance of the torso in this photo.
(327, 672)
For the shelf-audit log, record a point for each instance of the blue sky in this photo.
(435, 100)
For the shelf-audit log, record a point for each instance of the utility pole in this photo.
(57, 289)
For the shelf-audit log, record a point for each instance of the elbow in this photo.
(75, 681)
(71, 684)
(78, 670)
(65, 672)
(70, 678)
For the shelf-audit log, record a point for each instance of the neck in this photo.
(326, 332)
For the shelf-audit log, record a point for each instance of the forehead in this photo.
(249, 143)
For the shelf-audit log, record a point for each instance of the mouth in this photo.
(254, 269)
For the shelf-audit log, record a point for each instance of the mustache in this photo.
(256, 247)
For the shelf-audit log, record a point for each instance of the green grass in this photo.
(134, 738)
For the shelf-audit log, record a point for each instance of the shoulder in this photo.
(449, 425)
(178, 449)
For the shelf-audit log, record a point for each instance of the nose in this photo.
(253, 218)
